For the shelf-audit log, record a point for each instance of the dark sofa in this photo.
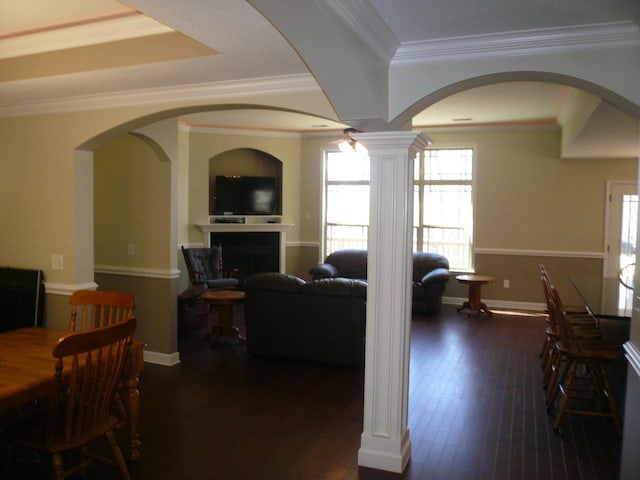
(430, 275)
(321, 321)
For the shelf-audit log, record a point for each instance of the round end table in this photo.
(475, 282)
(223, 302)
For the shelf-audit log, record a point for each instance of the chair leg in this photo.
(613, 406)
(117, 454)
(58, 470)
(564, 400)
(559, 371)
(547, 369)
(545, 347)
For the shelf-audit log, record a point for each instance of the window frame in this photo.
(473, 183)
(440, 146)
(325, 187)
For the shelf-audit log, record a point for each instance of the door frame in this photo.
(609, 217)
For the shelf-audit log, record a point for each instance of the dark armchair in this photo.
(429, 276)
(348, 263)
(205, 267)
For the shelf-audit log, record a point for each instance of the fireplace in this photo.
(246, 253)
(249, 244)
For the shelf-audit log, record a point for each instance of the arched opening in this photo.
(536, 177)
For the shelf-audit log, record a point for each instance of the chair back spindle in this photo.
(99, 308)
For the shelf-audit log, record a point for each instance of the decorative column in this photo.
(385, 442)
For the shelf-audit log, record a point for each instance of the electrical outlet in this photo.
(506, 284)
(57, 261)
(131, 249)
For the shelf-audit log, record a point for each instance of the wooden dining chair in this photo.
(584, 327)
(79, 408)
(580, 380)
(583, 321)
(99, 308)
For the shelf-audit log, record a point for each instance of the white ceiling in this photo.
(247, 46)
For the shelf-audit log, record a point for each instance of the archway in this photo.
(160, 279)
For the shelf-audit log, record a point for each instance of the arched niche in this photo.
(245, 162)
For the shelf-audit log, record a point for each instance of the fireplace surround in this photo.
(249, 244)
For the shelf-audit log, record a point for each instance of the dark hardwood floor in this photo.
(476, 412)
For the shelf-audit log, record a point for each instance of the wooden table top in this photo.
(474, 278)
(27, 363)
(223, 297)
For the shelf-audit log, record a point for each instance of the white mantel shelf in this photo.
(245, 227)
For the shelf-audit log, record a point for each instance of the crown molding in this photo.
(202, 92)
(524, 42)
(368, 25)
(81, 35)
(236, 130)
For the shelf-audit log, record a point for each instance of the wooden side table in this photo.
(223, 301)
(475, 282)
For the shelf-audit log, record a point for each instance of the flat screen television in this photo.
(245, 195)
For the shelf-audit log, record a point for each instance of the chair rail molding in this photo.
(537, 253)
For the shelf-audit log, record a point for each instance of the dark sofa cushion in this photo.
(336, 287)
(323, 270)
(426, 262)
(437, 275)
(350, 263)
(274, 281)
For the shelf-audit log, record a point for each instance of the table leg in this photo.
(225, 327)
(475, 291)
(130, 396)
(475, 304)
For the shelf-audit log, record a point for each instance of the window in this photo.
(346, 201)
(443, 204)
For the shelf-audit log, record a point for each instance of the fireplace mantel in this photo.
(245, 227)
(250, 226)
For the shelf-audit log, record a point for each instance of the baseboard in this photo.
(500, 304)
(164, 359)
(383, 453)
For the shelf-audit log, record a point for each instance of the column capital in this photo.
(393, 140)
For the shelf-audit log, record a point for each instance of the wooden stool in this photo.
(223, 301)
(475, 282)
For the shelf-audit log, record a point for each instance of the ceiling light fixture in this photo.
(349, 144)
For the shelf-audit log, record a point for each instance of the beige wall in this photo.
(131, 202)
(203, 146)
(529, 199)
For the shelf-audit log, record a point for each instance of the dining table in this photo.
(604, 297)
(27, 374)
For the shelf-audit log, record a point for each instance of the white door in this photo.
(622, 217)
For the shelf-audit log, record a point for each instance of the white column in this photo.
(385, 442)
